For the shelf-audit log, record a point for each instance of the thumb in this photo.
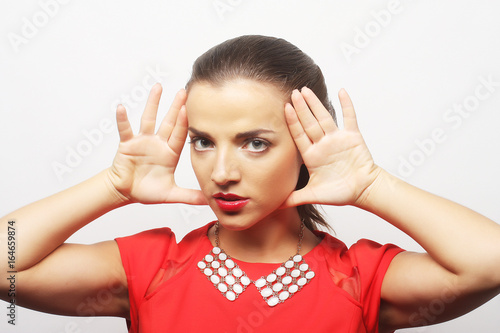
(189, 196)
(297, 198)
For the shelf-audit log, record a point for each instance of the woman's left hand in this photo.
(341, 168)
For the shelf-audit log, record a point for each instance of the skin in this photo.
(461, 277)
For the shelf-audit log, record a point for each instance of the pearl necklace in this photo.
(275, 288)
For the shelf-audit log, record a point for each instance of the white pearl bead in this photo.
(208, 271)
(260, 283)
(289, 264)
(237, 272)
(293, 288)
(287, 280)
(280, 271)
(216, 250)
(304, 267)
(230, 279)
(266, 292)
(215, 264)
(302, 281)
(295, 273)
(297, 258)
(245, 280)
(222, 287)
(209, 258)
(237, 288)
(222, 271)
(271, 277)
(201, 265)
(230, 296)
(222, 256)
(273, 301)
(229, 263)
(310, 275)
(277, 286)
(215, 279)
(284, 295)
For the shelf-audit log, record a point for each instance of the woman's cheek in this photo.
(283, 180)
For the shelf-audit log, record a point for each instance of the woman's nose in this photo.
(225, 169)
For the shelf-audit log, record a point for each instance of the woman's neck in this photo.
(271, 240)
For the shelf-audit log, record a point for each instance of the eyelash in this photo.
(266, 143)
(195, 140)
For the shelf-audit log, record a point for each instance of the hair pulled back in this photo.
(268, 60)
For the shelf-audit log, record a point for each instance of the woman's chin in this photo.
(244, 219)
(234, 224)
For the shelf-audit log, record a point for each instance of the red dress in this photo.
(169, 293)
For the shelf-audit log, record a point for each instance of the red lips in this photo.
(230, 202)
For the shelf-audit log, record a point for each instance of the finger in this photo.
(350, 122)
(168, 122)
(190, 196)
(306, 117)
(322, 115)
(124, 129)
(179, 133)
(297, 132)
(148, 119)
(296, 198)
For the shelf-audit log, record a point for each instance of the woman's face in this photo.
(242, 153)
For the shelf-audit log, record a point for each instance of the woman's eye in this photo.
(201, 144)
(257, 145)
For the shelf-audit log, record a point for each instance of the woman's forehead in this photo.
(237, 87)
(237, 103)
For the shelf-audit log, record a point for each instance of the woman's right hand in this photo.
(144, 166)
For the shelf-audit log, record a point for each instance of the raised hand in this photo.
(144, 166)
(340, 166)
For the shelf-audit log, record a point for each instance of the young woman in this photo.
(265, 148)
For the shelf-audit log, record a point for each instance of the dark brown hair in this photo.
(268, 60)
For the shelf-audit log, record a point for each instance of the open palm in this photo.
(340, 166)
(144, 166)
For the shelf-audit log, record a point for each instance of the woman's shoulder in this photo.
(159, 241)
(334, 246)
(364, 253)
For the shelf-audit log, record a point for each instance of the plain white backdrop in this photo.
(424, 77)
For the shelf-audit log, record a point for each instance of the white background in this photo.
(65, 66)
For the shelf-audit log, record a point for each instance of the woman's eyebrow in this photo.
(253, 133)
(247, 134)
(198, 132)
